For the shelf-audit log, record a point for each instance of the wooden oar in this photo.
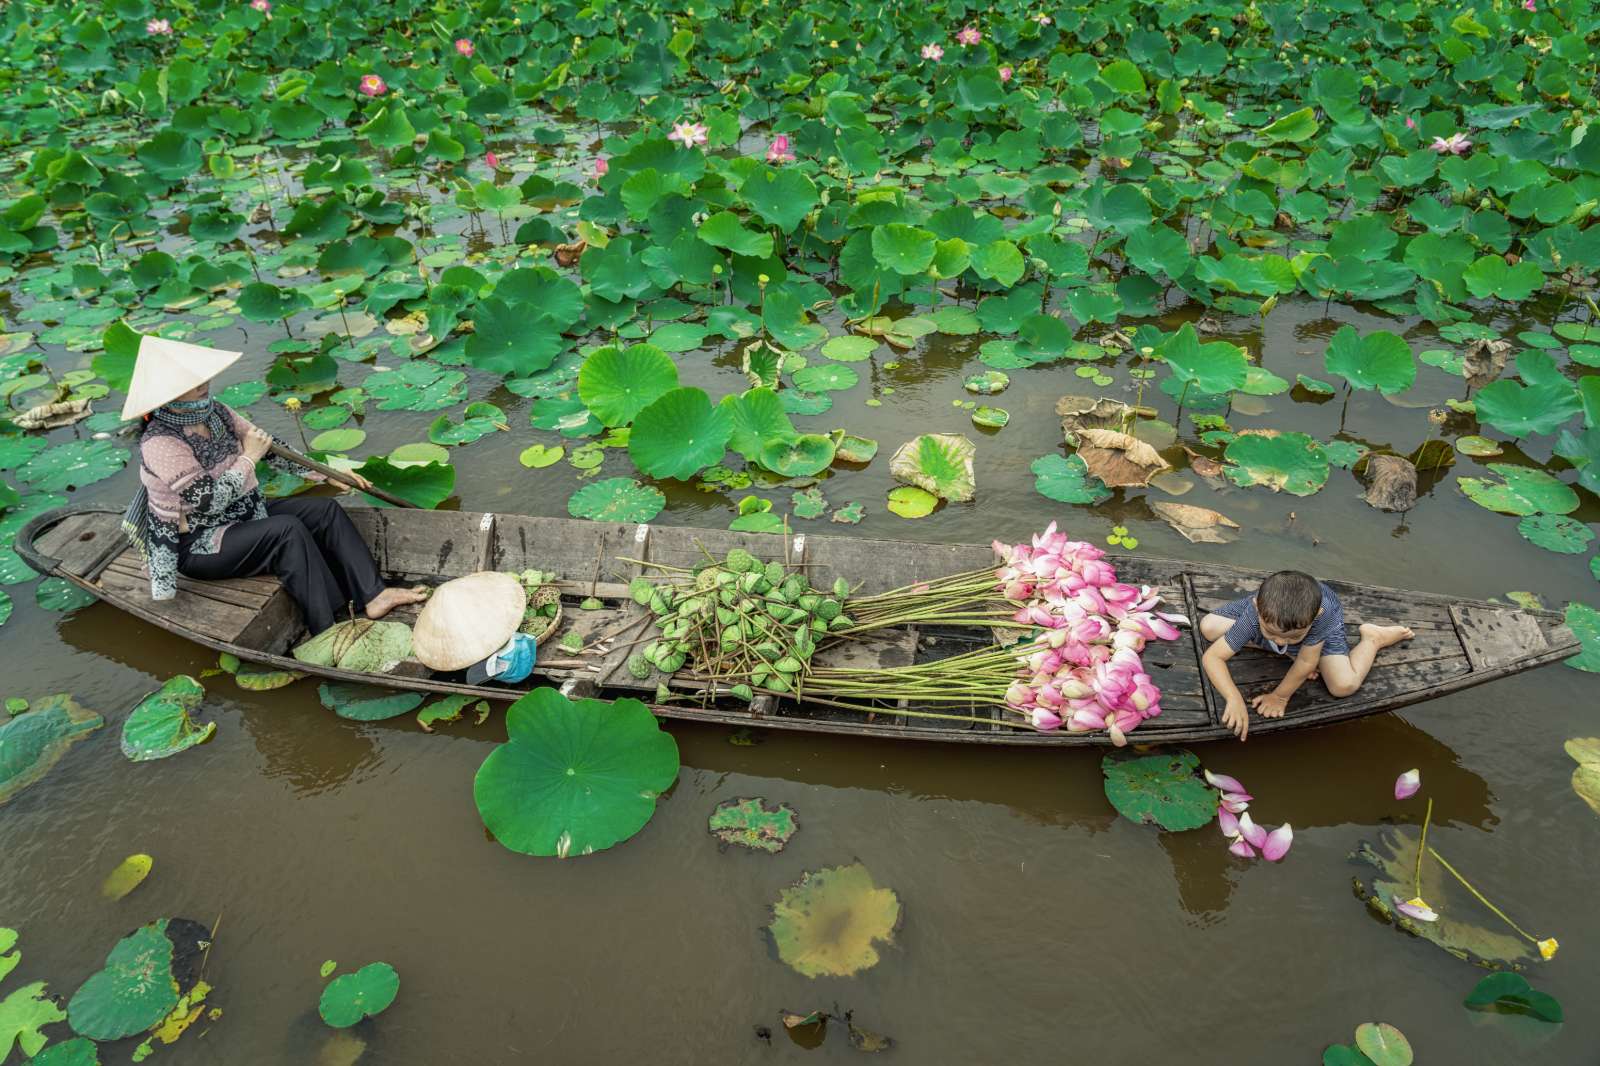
(325, 470)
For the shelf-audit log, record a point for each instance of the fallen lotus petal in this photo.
(1224, 783)
(1237, 802)
(1278, 842)
(1415, 908)
(1251, 831)
(1407, 784)
(1242, 849)
(1228, 822)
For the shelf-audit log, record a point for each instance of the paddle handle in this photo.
(286, 452)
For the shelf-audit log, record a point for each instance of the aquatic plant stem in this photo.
(1422, 846)
(1481, 899)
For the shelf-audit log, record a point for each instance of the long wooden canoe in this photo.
(1459, 643)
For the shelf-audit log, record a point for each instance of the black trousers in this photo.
(310, 544)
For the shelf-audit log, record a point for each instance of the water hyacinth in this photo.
(1084, 669)
(371, 85)
(778, 151)
(688, 134)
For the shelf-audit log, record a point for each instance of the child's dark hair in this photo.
(1288, 600)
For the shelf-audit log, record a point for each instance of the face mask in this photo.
(190, 405)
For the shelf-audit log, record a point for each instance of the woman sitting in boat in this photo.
(199, 511)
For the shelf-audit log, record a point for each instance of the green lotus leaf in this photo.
(1490, 276)
(79, 1051)
(1510, 992)
(1314, 386)
(25, 1011)
(1381, 360)
(1164, 789)
(754, 824)
(160, 725)
(849, 514)
(367, 703)
(366, 993)
(940, 463)
(1159, 250)
(16, 451)
(31, 743)
(564, 414)
(999, 261)
(850, 348)
(389, 128)
(1067, 479)
(1291, 462)
(261, 302)
(477, 421)
(338, 440)
(538, 456)
(359, 644)
(59, 594)
(909, 501)
(254, 677)
(832, 922)
(782, 196)
(853, 449)
(723, 230)
(784, 317)
(679, 434)
(1556, 533)
(798, 456)
(574, 777)
(1521, 491)
(618, 383)
(72, 465)
(809, 503)
(1584, 622)
(1210, 369)
(170, 155)
(826, 377)
(616, 499)
(1543, 405)
(512, 340)
(132, 992)
(901, 248)
(425, 485)
(1294, 127)
(1383, 1044)
(986, 383)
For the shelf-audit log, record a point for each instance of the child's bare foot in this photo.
(389, 599)
(1383, 636)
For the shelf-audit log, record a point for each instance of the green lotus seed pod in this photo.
(788, 664)
(741, 561)
(639, 666)
(844, 621)
(777, 683)
(732, 635)
(841, 587)
(828, 610)
(743, 692)
(809, 601)
(774, 572)
(641, 590)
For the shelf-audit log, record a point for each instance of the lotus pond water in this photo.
(940, 274)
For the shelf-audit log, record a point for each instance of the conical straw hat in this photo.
(468, 619)
(167, 369)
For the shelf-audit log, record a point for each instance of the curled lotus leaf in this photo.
(1291, 462)
(366, 993)
(161, 726)
(754, 824)
(1586, 778)
(366, 703)
(574, 776)
(939, 463)
(1119, 459)
(360, 644)
(142, 980)
(800, 456)
(1164, 789)
(31, 743)
(1198, 525)
(832, 922)
(129, 875)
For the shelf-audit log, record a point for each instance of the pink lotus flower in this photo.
(1455, 144)
(158, 28)
(492, 159)
(262, 6)
(1415, 908)
(778, 151)
(601, 165)
(371, 85)
(1407, 784)
(1411, 123)
(688, 134)
(969, 35)
(464, 47)
(1005, 74)
(1529, 5)
(1045, 721)
(933, 52)
(1042, 19)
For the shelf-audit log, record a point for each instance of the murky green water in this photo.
(1039, 927)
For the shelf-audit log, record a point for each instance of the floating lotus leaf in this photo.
(31, 743)
(1379, 360)
(850, 348)
(1585, 624)
(448, 709)
(986, 383)
(138, 985)
(809, 504)
(8, 962)
(990, 417)
(366, 993)
(257, 678)
(832, 921)
(366, 703)
(72, 465)
(1292, 462)
(477, 421)
(5, 606)
(417, 386)
(574, 777)
(1165, 789)
(849, 514)
(1511, 993)
(1209, 369)
(79, 1051)
(1383, 1044)
(160, 725)
(800, 456)
(758, 419)
(338, 440)
(25, 1011)
(852, 449)
(361, 644)
(1392, 860)
(679, 434)
(1585, 779)
(1523, 491)
(826, 377)
(426, 485)
(1067, 480)
(1198, 525)
(129, 875)
(940, 463)
(909, 501)
(538, 456)
(59, 594)
(1556, 533)
(618, 383)
(616, 499)
(754, 824)
(1118, 459)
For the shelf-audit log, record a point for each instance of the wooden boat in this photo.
(1459, 643)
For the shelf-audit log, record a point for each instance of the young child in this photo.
(1293, 614)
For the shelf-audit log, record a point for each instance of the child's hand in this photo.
(1270, 704)
(1237, 718)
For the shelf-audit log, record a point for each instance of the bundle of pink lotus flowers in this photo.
(1084, 671)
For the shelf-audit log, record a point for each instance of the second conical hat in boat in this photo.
(468, 619)
(167, 369)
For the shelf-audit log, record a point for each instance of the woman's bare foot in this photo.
(389, 599)
(1383, 636)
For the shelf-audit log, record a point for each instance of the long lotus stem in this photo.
(1422, 846)
(1480, 898)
